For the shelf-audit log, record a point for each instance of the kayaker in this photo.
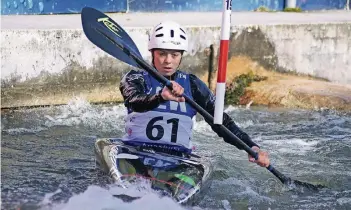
(159, 116)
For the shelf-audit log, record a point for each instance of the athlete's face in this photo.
(167, 61)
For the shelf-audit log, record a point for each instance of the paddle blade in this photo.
(312, 187)
(108, 35)
(295, 184)
(290, 183)
(126, 198)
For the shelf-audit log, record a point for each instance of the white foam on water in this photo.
(241, 124)
(253, 195)
(96, 197)
(343, 201)
(293, 145)
(340, 129)
(80, 112)
(243, 190)
(230, 108)
(16, 131)
(245, 124)
(226, 205)
(46, 200)
(204, 128)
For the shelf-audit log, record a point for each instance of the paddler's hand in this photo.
(175, 94)
(263, 159)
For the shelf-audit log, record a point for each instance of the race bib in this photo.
(159, 127)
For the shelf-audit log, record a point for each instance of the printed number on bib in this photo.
(160, 132)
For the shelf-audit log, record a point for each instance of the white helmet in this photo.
(168, 35)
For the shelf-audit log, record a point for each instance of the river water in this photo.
(48, 162)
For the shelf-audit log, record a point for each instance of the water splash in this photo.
(230, 108)
(204, 128)
(96, 197)
(245, 124)
(17, 131)
(226, 205)
(240, 192)
(344, 201)
(80, 112)
(292, 145)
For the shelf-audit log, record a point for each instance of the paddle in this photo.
(110, 37)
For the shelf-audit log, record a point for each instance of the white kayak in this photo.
(180, 176)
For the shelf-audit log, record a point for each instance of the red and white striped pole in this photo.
(222, 62)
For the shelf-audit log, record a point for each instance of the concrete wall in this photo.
(319, 50)
(42, 67)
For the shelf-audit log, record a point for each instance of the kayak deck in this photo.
(175, 176)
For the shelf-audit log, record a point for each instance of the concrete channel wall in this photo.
(47, 63)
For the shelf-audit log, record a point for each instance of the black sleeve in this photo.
(205, 98)
(132, 88)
